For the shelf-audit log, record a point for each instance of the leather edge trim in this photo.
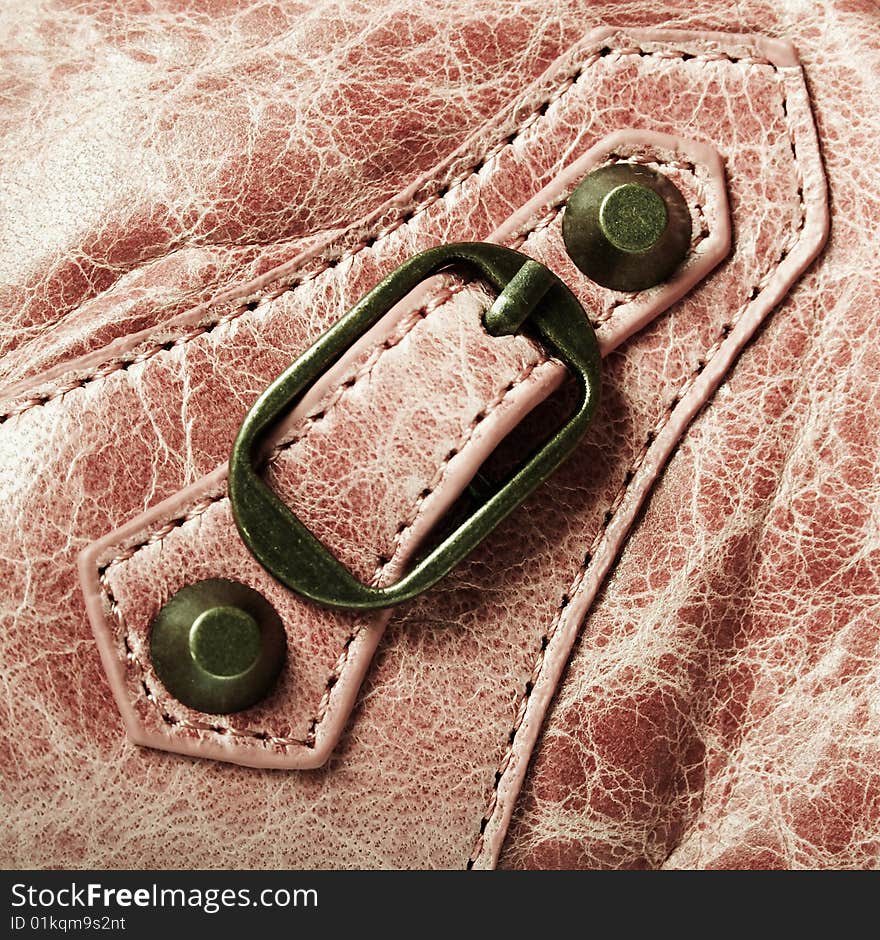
(588, 580)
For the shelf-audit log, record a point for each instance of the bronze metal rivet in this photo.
(218, 646)
(627, 227)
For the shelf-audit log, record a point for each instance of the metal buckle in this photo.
(528, 292)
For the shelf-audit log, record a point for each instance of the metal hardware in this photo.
(529, 294)
(218, 646)
(626, 227)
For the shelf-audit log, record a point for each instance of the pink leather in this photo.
(719, 710)
(370, 460)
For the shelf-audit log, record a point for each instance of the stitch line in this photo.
(726, 329)
(309, 423)
(374, 236)
(336, 674)
(456, 448)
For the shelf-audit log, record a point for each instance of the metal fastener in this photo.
(626, 227)
(530, 297)
(218, 646)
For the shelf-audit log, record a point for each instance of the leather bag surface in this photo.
(667, 657)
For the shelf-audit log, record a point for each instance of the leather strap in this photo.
(371, 459)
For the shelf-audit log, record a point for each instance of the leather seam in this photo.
(377, 235)
(726, 329)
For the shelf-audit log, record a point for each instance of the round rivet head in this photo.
(626, 227)
(218, 646)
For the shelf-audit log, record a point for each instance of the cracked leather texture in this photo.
(721, 707)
